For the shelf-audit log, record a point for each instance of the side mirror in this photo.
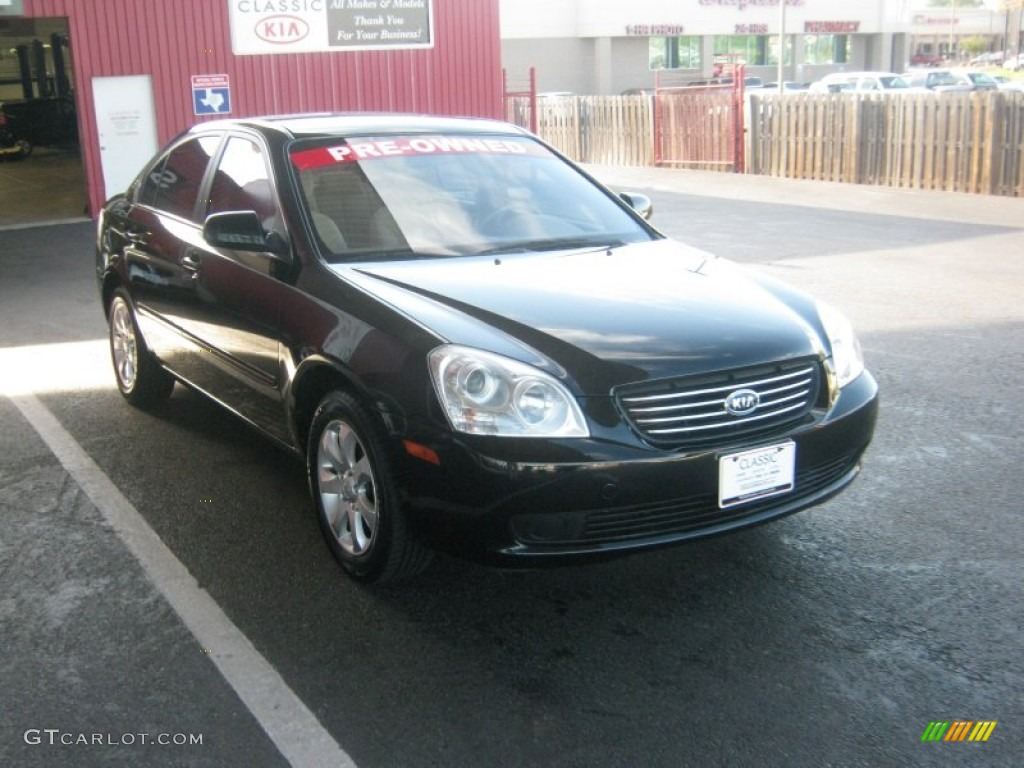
(242, 231)
(640, 203)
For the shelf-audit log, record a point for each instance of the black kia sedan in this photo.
(474, 345)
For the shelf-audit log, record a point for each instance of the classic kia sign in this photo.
(260, 27)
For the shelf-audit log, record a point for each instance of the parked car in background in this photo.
(860, 82)
(830, 84)
(921, 59)
(980, 81)
(11, 148)
(947, 80)
(1014, 63)
(472, 343)
(788, 86)
(1009, 83)
(990, 59)
(44, 122)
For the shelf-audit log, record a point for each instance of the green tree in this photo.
(972, 46)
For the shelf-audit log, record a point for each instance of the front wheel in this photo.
(358, 504)
(139, 376)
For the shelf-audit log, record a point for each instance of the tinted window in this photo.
(242, 182)
(182, 174)
(150, 187)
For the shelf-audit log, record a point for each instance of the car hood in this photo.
(599, 317)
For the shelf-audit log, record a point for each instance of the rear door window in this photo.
(180, 178)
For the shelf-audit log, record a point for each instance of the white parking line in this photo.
(287, 721)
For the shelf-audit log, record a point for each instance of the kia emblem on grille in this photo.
(742, 402)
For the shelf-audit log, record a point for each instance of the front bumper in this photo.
(516, 513)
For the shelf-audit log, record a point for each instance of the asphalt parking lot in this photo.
(166, 599)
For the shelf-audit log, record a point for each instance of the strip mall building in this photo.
(602, 47)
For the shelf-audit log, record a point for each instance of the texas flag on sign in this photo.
(211, 95)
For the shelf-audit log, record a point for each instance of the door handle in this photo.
(136, 235)
(191, 261)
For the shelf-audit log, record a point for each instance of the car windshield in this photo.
(945, 78)
(980, 78)
(893, 82)
(432, 195)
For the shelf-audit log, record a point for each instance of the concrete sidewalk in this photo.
(943, 206)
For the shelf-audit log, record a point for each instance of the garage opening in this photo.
(41, 173)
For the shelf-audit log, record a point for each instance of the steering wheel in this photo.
(520, 219)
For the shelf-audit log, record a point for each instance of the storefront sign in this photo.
(937, 20)
(751, 29)
(831, 27)
(655, 30)
(11, 8)
(260, 27)
(742, 5)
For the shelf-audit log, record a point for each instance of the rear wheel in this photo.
(139, 377)
(357, 500)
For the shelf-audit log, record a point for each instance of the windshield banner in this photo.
(404, 146)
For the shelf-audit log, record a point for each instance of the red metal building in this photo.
(457, 71)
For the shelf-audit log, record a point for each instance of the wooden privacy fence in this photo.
(957, 142)
(610, 130)
(699, 128)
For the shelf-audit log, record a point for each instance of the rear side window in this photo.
(150, 187)
(174, 184)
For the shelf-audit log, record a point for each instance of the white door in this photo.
(126, 124)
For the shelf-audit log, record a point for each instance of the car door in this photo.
(236, 295)
(160, 224)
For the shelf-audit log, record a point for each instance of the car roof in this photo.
(839, 75)
(351, 124)
(951, 70)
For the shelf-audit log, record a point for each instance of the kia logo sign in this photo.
(282, 29)
(742, 402)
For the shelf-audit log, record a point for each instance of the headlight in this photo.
(846, 354)
(487, 394)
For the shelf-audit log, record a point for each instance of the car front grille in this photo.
(692, 411)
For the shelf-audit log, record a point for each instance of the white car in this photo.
(1008, 83)
(861, 82)
(946, 80)
(991, 58)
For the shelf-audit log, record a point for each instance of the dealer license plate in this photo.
(756, 474)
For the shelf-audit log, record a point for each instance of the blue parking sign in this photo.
(211, 95)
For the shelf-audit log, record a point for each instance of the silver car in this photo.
(951, 80)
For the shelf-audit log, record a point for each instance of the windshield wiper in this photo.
(393, 254)
(552, 244)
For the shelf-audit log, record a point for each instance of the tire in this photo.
(358, 505)
(142, 381)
